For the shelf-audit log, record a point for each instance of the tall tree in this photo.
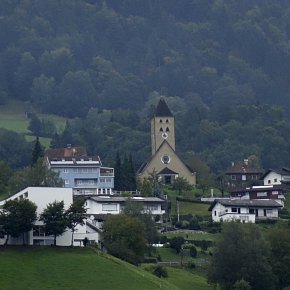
(280, 255)
(75, 215)
(124, 238)
(241, 253)
(17, 218)
(37, 151)
(53, 217)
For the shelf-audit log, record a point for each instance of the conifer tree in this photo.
(118, 172)
(37, 151)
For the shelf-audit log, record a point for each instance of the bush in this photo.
(160, 271)
(266, 221)
(176, 243)
(190, 265)
(193, 251)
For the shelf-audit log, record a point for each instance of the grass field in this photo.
(13, 117)
(187, 280)
(71, 269)
(192, 235)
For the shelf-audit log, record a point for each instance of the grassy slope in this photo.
(187, 280)
(12, 117)
(66, 268)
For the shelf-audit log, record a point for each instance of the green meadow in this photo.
(30, 268)
(13, 117)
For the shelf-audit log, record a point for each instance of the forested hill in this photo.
(222, 65)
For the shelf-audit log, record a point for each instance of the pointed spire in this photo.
(162, 109)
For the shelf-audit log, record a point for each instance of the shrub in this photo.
(160, 271)
(193, 251)
(190, 265)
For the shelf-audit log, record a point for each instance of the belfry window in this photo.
(160, 121)
(160, 130)
(167, 129)
(167, 121)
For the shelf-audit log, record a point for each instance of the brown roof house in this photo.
(164, 160)
(242, 174)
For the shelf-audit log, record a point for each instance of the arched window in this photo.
(160, 130)
(167, 129)
(160, 121)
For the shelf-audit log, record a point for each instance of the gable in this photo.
(166, 159)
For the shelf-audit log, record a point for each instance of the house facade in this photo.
(244, 210)
(164, 160)
(263, 192)
(103, 205)
(242, 174)
(277, 177)
(84, 174)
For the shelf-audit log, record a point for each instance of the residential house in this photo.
(84, 174)
(164, 159)
(244, 210)
(272, 192)
(242, 174)
(277, 177)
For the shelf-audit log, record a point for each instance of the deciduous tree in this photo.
(53, 217)
(17, 217)
(75, 215)
(124, 238)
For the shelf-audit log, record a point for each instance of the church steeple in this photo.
(162, 126)
(162, 109)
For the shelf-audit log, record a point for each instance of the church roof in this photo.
(162, 109)
(167, 171)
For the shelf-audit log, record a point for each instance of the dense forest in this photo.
(222, 65)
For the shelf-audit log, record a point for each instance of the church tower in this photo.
(163, 160)
(162, 127)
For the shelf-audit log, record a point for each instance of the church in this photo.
(164, 160)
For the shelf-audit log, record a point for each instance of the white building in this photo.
(276, 177)
(42, 196)
(115, 204)
(244, 210)
(98, 209)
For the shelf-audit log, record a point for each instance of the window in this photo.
(160, 130)
(167, 129)
(108, 179)
(233, 177)
(262, 194)
(269, 181)
(109, 207)
(275, 179)
(252, 211)
(244, 177)
(66, 181)
(65, 170)
(160, 121)
(215, 213)
(102, 179)
(269, 212)
(254, 177)
(165, 159)
(234, 209)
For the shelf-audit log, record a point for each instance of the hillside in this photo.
(66, 268)
(223, 67)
